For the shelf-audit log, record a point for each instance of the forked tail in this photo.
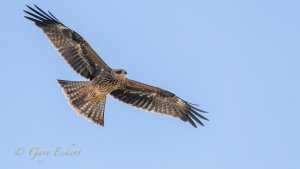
(85, 99)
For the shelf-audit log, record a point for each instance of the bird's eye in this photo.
(119, 72)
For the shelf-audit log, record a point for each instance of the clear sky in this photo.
(239, 60)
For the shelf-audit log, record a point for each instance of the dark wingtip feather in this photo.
(186, 114)
(35, 16)
(32, 19)
(39, 15)
(199, 115)
(54, 17)
(191, 121)
(192, 104)
(195, 108)
(44, 13)
(193, 114)
(196, 119)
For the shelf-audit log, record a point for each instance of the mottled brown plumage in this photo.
(88, 97)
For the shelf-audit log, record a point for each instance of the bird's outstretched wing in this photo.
(158, 100)
(76, 51)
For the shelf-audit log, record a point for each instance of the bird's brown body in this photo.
(88, 97)
(109, 81)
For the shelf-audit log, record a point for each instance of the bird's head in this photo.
(119, 73)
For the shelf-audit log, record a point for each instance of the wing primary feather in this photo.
(197, 109)
(36, 16)
(38, 13)
(55, 17)
(45, 14)
(190, 121)
(33, 19)
(188, 112)
(199, 115)
(196, 119)
(193, 104)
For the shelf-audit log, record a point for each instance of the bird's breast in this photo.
(107, 84)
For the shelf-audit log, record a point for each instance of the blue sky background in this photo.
(240, 60)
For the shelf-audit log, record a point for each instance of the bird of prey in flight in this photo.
(88, 97)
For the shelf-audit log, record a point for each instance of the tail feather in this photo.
(85, 99)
